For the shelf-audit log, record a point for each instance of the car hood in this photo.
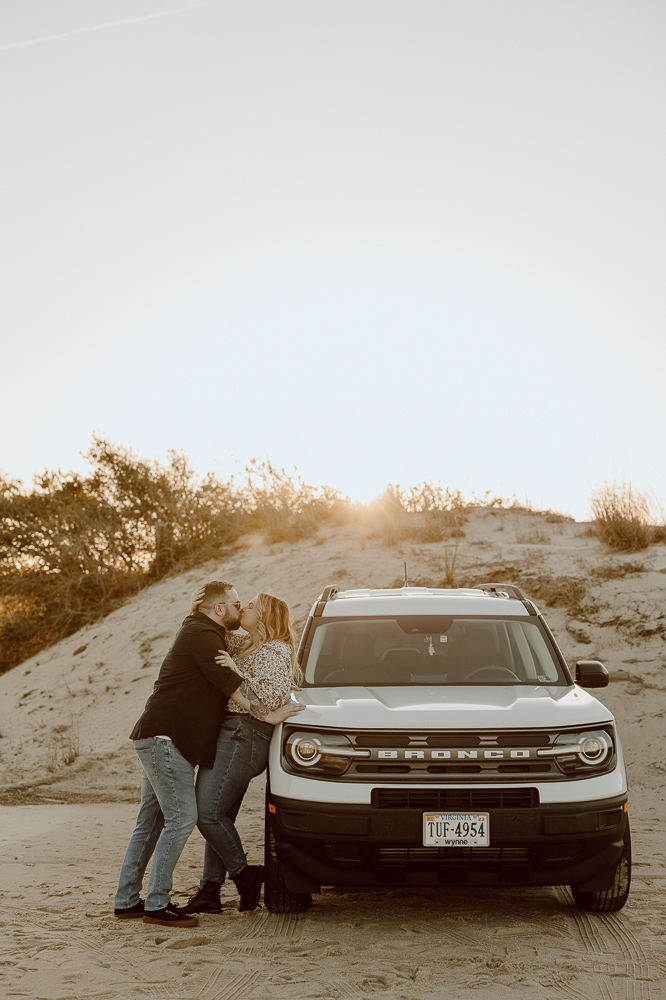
(497, 707)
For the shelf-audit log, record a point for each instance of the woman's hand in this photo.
(224, 660)
(283, 713)
(197, 598)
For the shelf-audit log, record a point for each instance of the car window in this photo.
(430, 650)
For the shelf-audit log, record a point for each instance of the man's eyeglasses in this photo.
(236, 604)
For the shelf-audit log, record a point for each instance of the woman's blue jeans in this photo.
(242, 754)
(167, 816)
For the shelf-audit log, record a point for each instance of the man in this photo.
(177, 731)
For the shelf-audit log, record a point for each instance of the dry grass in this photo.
(284, 507)
(446, 563)
(531, 533)
(623, 518)
(558, 591)
(63, 748)
(566, 592)
(425, 513)
(494, 503)
(617, 571)
(450, 559)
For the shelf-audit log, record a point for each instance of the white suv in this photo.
(445, 743)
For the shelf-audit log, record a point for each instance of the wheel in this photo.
(499, 672)
(612, 899)
(277, 897)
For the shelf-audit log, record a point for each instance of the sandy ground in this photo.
(70, 788)
(60, 941)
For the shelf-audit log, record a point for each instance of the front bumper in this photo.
(361, 845)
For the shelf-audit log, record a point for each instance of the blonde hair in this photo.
(274, 622)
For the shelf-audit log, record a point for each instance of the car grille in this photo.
(455, 799)
(435, 756)
(429, 855)
(541, 768)
(453, 865)
(487, 855)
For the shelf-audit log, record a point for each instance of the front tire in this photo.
(277, 897)
(612, 899)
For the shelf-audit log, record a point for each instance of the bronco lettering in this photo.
(461, 754)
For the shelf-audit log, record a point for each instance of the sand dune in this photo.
(70, 791)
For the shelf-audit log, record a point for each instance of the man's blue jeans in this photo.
(242, 753)
(167, 816)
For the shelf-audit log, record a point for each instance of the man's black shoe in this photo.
(205, 900)
(129, 912)
(248, 882)
(170, 916)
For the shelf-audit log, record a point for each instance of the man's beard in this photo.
(232, 622)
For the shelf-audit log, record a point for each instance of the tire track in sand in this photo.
(279, 926)
(622, 961)
(628, 989)
(346, 989)
(572, 993)
(237, 986)
(592, 941)
(211, 987)
(443, 929)
(628, 944)
(619, 950)
(93, 945)
(273, 925)
(167, 991)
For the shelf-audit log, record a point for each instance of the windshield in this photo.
(420, 649)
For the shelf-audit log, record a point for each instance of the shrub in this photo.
(425, 512)
(387, 516)
(190, 516)
(557, 591)
(622, 517)
(74, 547)
(283, 506)
(442, 512)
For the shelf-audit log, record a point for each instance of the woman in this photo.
(266, 659)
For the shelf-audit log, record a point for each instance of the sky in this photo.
(382, 241)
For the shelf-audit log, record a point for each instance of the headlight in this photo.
(320, 753)
(581, 752)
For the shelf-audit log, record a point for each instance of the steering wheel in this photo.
(503, 672)
(337, 677)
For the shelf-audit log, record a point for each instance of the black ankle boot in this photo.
(205, 900)
(248, 882)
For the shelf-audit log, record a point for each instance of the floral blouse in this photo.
(267, 671)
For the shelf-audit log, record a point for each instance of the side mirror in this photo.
(591, 674)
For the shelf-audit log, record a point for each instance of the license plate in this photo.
(456, 830)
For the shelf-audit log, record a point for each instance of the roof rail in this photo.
(329, 593)
(499, 589)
